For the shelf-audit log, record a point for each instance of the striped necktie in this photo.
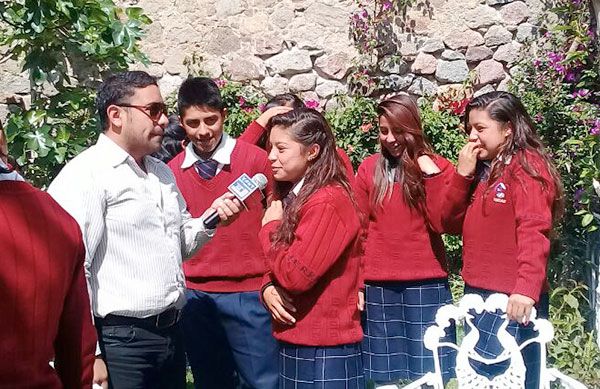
(206, 169)
(287, 200)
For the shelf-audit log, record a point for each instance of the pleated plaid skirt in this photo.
(394, 322)
(336, 367)
(487, 323)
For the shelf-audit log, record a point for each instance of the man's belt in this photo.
(163, 320)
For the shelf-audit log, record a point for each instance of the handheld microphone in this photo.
(241, 188)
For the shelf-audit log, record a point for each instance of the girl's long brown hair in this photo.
(506, 108)
(402, 113)
(308, 127)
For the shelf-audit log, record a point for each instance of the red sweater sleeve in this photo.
(75, 343)
(434, 191)
(361, 193)
(533, 213)
(323, 233)
(252, 133)
(453, 202)
(347, 164)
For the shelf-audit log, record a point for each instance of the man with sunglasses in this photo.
(136, 229)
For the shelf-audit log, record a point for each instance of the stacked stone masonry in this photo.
(303, 46)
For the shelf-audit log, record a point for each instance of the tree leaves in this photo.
(57, 42)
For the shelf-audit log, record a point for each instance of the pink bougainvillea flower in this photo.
(248, 109)
(560, 69)
(537, 62)
(555, 57)
(580, 93)
(220, 82)
(387, 5)
(311, 103)
(350, 149)
(596, 128)
(261, 107)
(366, 127)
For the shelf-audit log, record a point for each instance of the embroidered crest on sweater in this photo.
(500, 195)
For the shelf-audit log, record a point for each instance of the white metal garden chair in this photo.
(467, 377)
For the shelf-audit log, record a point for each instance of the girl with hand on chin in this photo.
(311, 288)
(404, 265)
(504, 198)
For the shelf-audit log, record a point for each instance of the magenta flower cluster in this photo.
(596, 128)
(312, 104)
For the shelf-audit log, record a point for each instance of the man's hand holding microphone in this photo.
(225, 209)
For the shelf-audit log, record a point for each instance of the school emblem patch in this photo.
(500, 195)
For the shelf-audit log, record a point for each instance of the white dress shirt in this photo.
(135, 227)
(11, 176)
(221, 154)
(298, 186)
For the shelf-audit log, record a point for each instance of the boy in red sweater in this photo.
(44, 303)
(504, 183)
(227, 329)
(311, 254)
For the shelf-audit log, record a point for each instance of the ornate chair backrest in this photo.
(466, 375)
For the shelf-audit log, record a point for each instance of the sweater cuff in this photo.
(252, 133)
(530, 289)
(460, 183)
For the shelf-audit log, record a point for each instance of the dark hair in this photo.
(117, 88)
(197, 92)
(505, 107)
(309, 127)
(402, 113)
(172, 143)
(282, 100)
(285, 99)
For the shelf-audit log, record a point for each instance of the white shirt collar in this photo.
(222, 153)
(298, 186)
(12, 176)
(112, 152)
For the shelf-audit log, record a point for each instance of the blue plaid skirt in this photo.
(335, 367)
(487, 323)
(394, 322)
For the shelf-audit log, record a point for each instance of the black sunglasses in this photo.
(153, 110)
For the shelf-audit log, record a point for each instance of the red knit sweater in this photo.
(402, 244)
(320, 269)
(506, 230)
(232, 261)
(44, 302)
(255, 131)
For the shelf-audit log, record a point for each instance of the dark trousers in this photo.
(487, 323)
(143, 358)
(228, 335)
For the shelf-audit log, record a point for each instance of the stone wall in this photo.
(303, 46)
